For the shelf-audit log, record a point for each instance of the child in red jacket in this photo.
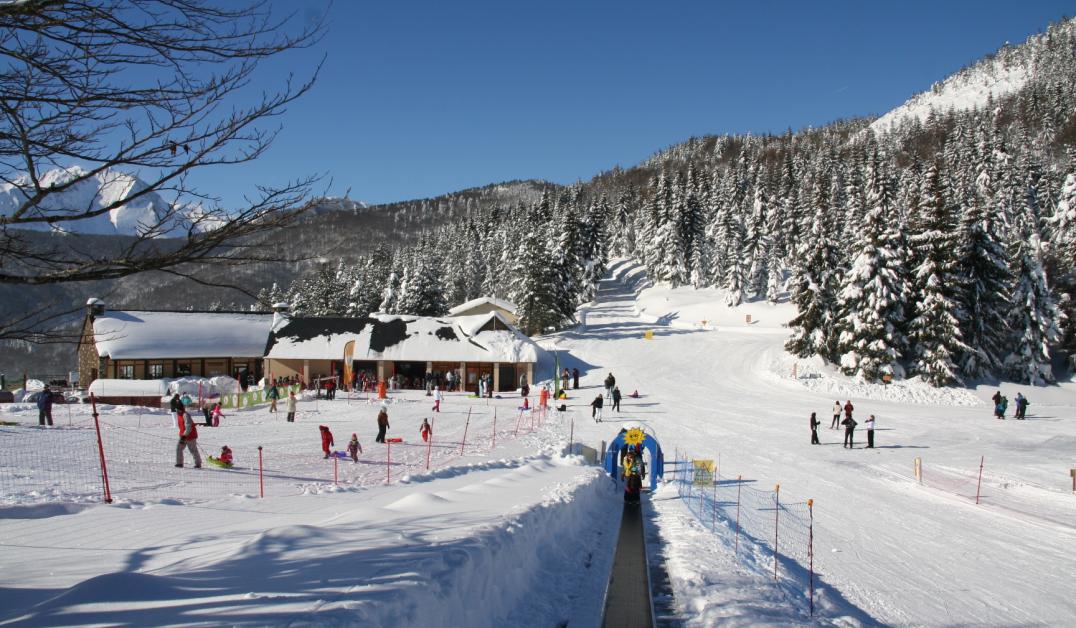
(326, 439)
(226, 455)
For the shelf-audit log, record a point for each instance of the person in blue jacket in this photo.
(44, 407)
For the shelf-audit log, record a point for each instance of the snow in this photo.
(418, 338)
(129, 387)
(520, 534)
(96, 191)
(473, 303)
(133, 335)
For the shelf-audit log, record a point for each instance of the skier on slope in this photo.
(290, 406)
(326, 439)
(596, 408)
(188, 439)
(426, 430)
(836, 415)
(869, 424)
(849, 430)
(848, 410)
(616, 398)
(382, 425)
(814, 429)
(438, 397)
(354, 448)
(610, 381)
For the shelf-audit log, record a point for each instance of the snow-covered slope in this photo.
(518, 534)
(93, 193)
(998, 75)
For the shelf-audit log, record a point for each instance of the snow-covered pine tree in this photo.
(757, 241)
(874, 292)
(934, 330)
(814, 291)
(422, 289)
(534, 276)
(983, 267)
(1034, 318)
(734, 274)
(568, 265)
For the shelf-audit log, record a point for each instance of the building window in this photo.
(183, 369)
(156, 371)
(125, 371)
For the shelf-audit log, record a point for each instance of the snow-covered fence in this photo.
(767, 532)
(978, 482)
(63, 464)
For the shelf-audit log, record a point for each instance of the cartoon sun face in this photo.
(634, 436)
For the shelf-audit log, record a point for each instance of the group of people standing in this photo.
(1001, 404)
(612, 392)
(849, 424)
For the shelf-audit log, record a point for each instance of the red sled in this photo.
(393, 440)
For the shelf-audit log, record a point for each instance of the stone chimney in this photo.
(95, 307)
(281, 315)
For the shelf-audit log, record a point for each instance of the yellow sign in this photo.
(649, 334)
(704, 472)
(634, 436)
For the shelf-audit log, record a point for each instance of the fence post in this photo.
(979, 485)
(466, 426)
(336, 476)
(918, 469)
(776, 520)
(739, 484)
(571, 436)
(494, 445)
(810, 550)
(388, 462)
(261, 477)
(518, 421)
(713, 517)
(429, 446)
(101, 450)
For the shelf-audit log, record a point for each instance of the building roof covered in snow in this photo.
(486, 337)
(482, 305)
(136, 335)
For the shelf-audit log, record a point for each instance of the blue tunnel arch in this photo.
(657, 459)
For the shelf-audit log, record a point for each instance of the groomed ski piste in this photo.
(521, 534)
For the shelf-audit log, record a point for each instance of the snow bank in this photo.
(129, 387)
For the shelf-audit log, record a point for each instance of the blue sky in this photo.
(418, 99)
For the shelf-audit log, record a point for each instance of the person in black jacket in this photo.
(849, 429)
(575, 378)
(814, 429)
(616, 398)
(596, 408)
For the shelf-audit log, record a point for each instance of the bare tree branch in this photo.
(107, 89)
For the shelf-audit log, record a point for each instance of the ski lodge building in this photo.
(154, 345)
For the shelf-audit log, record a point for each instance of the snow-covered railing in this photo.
(767, 533)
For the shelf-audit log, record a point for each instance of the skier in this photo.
(814, 429)
(848, 411)
(849, 429)
(273, 395)
(616, 398)
(596, 408)
(326, 439)
(575, 378)
(218, 414)
(836, 415)
(1021, 406)
(354, 448)
(426, 430)
(207, 412)
(869, 424)
(543, 397)
(382, 425)
(188, 438)
(44, 407)
(610, 381)
(330, 390)
(381, 390)
(996, 398)
(438, 397)
(564, 378)
(290, 406)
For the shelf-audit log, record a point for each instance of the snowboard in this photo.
(213, 461)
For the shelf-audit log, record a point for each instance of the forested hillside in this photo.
(942, 247)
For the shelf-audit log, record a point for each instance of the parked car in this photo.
(57, 397)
